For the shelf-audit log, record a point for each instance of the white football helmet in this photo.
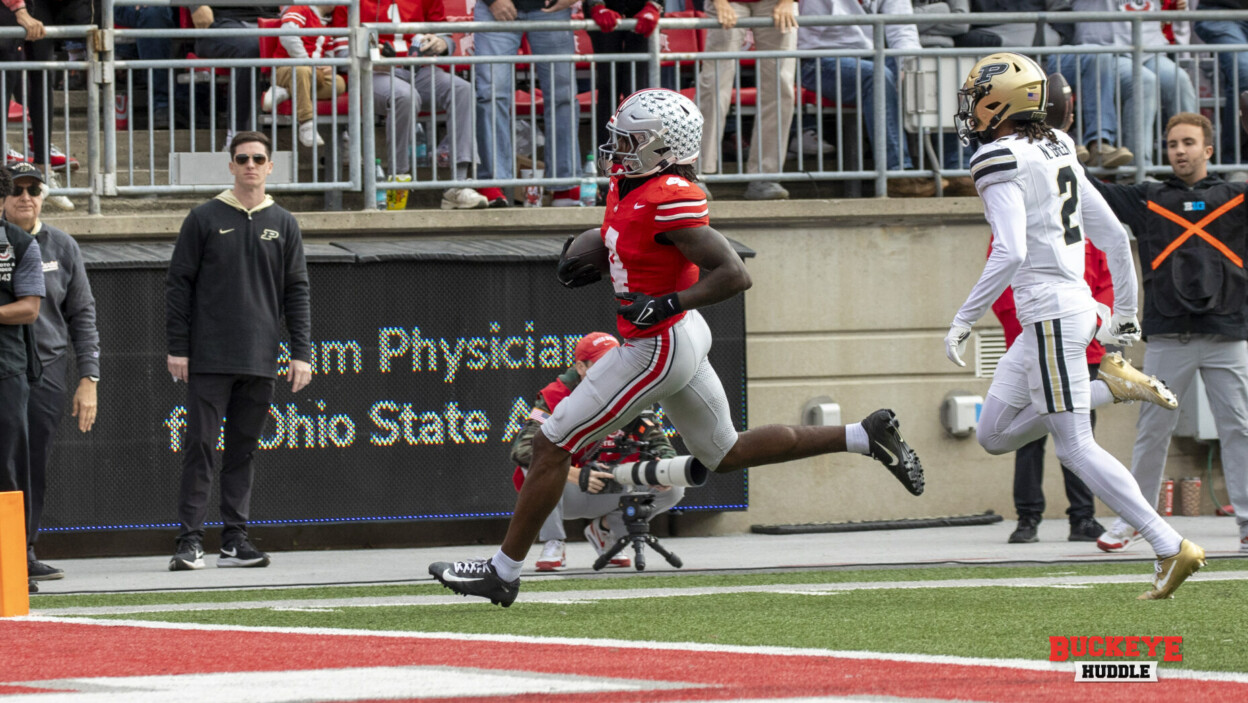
(652, 129)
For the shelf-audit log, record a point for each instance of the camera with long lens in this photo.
(677, 471)
(647, 470)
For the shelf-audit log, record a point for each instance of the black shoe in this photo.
(239, 551)
(188, 556)
(39, 571)
(890, 449)
(475, 578)
(1085, 530)
(34, 587)
(499, 203)
(1025, 533)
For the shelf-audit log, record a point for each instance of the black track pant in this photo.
(210, 397)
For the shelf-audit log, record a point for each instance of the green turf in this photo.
(617, 580)
(985, 622)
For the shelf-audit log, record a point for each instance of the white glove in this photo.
(955, 343)
(1122, 330)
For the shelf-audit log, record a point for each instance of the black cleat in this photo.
(476, 577)
(32, 586)
(891, 450)
(1025, 533)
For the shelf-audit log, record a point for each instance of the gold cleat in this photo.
(1173, 571)
(1127, 383)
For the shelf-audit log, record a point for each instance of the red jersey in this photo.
(306, 17)
(640, 261)
(395, 11)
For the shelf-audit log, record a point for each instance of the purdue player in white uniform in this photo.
(1040, 207)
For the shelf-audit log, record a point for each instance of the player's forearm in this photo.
(724, 273)
(715, 286)
(1003, 205)
(23, 311)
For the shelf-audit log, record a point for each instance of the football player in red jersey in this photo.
(659, 236)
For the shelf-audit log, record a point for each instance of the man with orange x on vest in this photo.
(1192, 232)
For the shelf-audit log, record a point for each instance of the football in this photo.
(1060, 108)
(588, 248)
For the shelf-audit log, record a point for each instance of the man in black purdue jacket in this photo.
(1192, 232)
(237, 269)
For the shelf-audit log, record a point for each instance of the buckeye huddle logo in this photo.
(1113, 658)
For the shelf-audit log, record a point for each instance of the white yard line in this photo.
(594, 595)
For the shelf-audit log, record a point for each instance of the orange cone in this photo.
(14, 589)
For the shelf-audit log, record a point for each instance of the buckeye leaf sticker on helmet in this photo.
(652, 129)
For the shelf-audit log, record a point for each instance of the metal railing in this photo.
(833, 119)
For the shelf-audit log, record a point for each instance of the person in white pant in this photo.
(1195, 313)
(774, 100)
(1040, 206)
(401, 93)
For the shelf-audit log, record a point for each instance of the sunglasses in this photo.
(34, 190)
(241, 159)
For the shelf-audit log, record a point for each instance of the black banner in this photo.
(427, 356)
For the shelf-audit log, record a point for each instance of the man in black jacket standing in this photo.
(237, 269)
(1193, 239)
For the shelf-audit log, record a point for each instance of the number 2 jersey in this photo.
(643, 260)
(1040, 206)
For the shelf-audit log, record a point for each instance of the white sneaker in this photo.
(57, 201)
(808, 142)
(554, 556)
(308, 134)
(1118, 537)
(600, 540)
(273, 96)
(463, 199)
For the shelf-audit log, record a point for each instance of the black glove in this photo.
(574, 273)
(644, 311)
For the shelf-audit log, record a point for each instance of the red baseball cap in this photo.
(593, 345)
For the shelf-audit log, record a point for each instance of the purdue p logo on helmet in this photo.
(1000, 87)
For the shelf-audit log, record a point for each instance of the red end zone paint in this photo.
(42, 651)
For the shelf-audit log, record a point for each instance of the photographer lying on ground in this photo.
(595, 500)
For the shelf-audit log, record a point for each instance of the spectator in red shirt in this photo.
(1029, 460)
(299, 78)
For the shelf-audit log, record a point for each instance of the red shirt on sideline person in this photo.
(1095, 272)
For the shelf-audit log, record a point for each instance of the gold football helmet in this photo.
(1000, 87)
